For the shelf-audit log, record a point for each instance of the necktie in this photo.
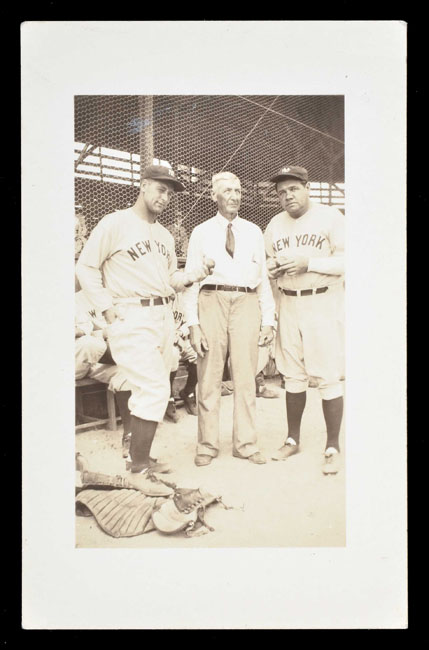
(230, 240)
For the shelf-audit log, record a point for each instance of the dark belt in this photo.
(147, 302)
(226, 287)
(304, 292)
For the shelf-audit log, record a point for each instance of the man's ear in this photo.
(214, 197)
(307, 185)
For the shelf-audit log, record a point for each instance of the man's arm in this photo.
(88, 267)
(266, 300)
(333, 265)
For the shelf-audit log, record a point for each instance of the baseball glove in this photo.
(184, 511)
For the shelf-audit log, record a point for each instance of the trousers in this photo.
(141, 342)
(229, 321)
(309, 342)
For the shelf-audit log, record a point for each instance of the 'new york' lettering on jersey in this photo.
(136, 258)
(318, 233)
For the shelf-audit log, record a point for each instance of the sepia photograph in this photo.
(214, 325)
(181, 365)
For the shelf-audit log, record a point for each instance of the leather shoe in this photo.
(189, 402)
(202, 459)
(256, 458)
(285, 451)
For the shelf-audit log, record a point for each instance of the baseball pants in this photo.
(308, 342)
(141, 341)
(229, 320)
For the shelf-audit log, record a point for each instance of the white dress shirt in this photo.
(246, 269)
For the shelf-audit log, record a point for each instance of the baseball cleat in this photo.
(285, 451)
(147, 468)
(332, 463)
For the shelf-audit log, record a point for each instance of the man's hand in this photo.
(200, 273)
(198, 340)
(295, 265)
(266, 335)
(275, 268)
(110, 315)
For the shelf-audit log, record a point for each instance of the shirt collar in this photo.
(224, 222)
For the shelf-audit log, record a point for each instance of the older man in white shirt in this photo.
(232, 310)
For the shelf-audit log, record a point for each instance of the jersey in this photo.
(86, 317)
(136, 260)
(319, 235)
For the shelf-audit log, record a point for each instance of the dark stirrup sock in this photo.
(295, 404)
(122, 397)
(172, 378)
(191, 381)
(333, 412)
(142, 435)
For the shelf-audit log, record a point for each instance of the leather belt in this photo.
(226, 287)
(304, 292)
(148, 302)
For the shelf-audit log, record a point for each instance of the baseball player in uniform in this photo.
(183, 352)
(305, 249)
(128, 269)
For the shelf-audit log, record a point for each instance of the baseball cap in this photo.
(163, 173)
(291, 172)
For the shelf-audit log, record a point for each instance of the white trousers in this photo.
(141, 342)
(309, 342)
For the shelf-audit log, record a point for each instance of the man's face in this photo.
(294, 196)
(157, 195)
(228, 197)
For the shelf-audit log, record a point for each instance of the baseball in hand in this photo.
(210, 264)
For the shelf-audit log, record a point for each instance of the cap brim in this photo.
(281, 177)
(178, 187)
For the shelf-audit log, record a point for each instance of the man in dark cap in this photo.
(128, 270)
(305, 247)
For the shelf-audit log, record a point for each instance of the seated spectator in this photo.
(93, 358)
(183, 353)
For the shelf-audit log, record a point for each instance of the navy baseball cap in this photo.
(291, 172)
(163, 173)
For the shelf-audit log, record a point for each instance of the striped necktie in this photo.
(230, 240)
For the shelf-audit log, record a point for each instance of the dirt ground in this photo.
(280, 504)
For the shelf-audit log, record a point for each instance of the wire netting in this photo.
(198, 136)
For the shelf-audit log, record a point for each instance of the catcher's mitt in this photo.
(184, 511)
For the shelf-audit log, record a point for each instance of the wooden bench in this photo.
(90, 422)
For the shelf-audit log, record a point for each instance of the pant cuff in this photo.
(332, 391)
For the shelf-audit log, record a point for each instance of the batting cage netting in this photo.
(198, 136)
